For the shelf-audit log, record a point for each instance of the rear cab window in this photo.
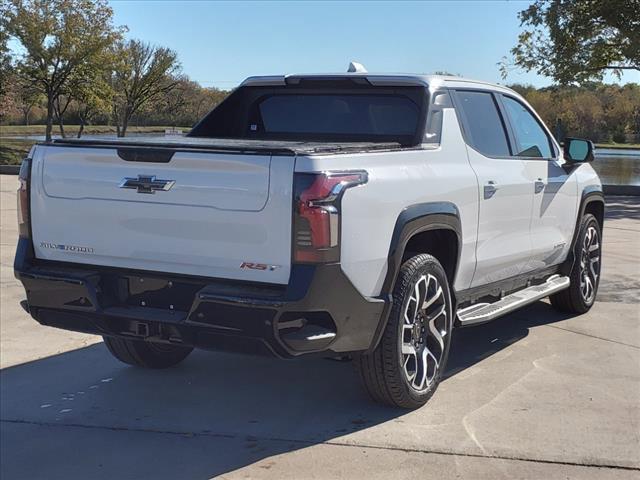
(320, 112)
(483, 124)
(339, 114)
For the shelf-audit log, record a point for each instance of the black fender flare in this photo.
(415, 219)
(590, 194)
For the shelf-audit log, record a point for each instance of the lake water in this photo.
(618, 167)
(615, 166)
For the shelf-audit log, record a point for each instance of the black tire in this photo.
(385, 372)
(146, 354)
(575, 298)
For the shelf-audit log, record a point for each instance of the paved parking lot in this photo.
(536, 394)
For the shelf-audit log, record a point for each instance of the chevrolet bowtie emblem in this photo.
(147, 184)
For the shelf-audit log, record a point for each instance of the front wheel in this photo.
(585, 273)
(407, 365)
(146, 354)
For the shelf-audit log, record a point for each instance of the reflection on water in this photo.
(618, 167)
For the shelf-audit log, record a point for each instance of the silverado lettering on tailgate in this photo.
(66, 248)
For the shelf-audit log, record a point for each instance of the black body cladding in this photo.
(200, 312)
(591, 201)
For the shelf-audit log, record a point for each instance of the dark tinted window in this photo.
(531, 139)
(320, 111)
(484, 124)
(339, 114)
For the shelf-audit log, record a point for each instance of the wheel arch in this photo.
(591, 201)
(595, 206)
(433, 228)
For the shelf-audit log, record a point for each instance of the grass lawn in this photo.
(12, 151)
(73, 129)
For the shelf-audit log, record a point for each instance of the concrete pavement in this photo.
(536, 394)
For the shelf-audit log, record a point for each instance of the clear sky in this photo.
(221, 43)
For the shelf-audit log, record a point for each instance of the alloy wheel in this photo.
(590, 264)
(422, 335)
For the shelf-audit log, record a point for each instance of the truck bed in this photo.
(273, 147)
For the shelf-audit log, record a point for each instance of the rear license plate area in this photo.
(153, 292)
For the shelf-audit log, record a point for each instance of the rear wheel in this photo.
(407, 365)
(585, 273)
(146, 354)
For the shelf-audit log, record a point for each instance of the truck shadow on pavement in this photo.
(81, 414)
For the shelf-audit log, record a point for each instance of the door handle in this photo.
(539, 185)
(490, 189)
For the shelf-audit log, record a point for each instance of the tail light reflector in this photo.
(317, 199)
(23, 199)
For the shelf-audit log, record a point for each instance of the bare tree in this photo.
(60, 105)
(142, 74)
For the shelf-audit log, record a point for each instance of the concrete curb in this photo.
(613, 190)
(9, 169)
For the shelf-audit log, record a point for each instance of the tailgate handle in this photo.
(147, 184)
(150, 155)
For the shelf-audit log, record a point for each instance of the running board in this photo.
(485, 312)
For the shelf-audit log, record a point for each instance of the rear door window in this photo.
(483, 123)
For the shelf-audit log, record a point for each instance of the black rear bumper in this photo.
(318, 311)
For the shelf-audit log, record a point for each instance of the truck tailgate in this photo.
(210, 214)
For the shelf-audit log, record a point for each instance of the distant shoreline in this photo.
(14, 146)
(619, 146)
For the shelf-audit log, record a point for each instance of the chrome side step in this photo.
(485, 312)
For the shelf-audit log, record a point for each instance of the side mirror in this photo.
(577, 150)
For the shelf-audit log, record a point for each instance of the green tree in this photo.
(61, 38)
(573, 41)
(26, 97)
(174, 104)
(142, 74)
(92, 99)
(597, 111)
(185, 104)
(5, 58)
(88, 89)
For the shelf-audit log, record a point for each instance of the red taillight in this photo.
(23, 198)
(317, 214)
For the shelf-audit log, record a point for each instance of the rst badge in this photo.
(258, 266)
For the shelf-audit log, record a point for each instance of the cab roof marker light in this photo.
(356, 67)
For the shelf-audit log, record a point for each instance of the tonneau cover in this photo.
(274, 147)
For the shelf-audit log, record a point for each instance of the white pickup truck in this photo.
(340, 215)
